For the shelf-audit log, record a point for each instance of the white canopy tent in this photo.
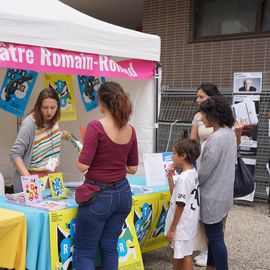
(52, 24)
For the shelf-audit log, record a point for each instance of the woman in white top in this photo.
(200, 132)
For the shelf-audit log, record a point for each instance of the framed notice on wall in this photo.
(247, 82)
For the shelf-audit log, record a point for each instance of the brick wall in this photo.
(186, 64)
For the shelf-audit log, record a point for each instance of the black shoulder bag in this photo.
(244, 182)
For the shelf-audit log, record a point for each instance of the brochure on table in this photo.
(43, 182)
(34, 190)
(50, 205)
(57, 186)
(31, 189)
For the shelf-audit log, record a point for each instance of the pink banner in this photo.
(69, 62)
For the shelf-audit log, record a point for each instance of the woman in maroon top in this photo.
(109, 152)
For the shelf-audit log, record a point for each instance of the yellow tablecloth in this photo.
(12, 239)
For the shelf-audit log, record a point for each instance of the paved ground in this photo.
(247, 237)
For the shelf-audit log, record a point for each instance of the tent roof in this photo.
(50, 23)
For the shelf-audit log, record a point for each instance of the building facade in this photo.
(208, 41)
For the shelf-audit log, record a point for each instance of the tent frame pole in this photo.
(156, 125)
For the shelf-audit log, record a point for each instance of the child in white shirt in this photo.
(182, 217)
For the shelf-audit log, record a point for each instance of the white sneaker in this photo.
(201, 259)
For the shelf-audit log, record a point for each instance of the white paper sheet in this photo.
(246, 110)
(154, 169)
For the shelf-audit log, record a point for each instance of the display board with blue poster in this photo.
(63, 86)
(88, 88)
(16, 90)
(143, 210)
(62, 232)
(156, 238)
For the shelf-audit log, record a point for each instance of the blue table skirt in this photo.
(38, 229)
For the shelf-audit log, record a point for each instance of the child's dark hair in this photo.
(116, 101)
(191, 148)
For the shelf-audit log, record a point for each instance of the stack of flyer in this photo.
(16, 198)
(50, 205)
(140, 189)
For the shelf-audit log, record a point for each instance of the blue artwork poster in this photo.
(16, 90)
(88, 88)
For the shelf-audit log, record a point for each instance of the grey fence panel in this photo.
(178, 131)
(263, 148)
(177, 106)
(181, 105)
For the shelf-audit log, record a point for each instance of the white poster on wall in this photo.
(247, 82)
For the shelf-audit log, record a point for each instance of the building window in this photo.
(266, 16)
(231, 18)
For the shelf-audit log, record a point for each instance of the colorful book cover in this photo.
(31, 189)
(88, 88)
(43, 182)
(16, 90)
(57, 186)
(74, 141)
(167, 159)
(50, 205)
(63, 86)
